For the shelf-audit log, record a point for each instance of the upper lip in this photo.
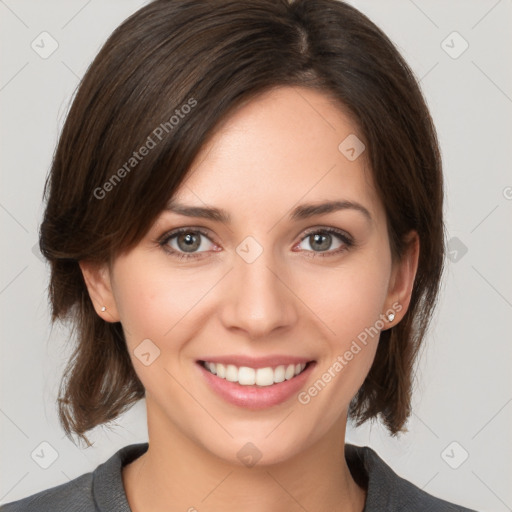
(256, 362)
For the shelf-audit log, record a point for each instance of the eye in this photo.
(186, 242)
(321, 239)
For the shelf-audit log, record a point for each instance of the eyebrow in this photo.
(301, 212)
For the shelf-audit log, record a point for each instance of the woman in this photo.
(244, 225)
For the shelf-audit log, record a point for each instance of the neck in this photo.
(178, 474)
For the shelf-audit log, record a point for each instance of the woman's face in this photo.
(277, 283)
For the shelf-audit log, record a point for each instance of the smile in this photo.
(247, 376)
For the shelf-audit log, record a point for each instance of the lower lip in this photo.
(256, 397)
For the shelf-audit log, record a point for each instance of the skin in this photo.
(275, 152)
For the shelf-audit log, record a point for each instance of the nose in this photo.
(259, 301)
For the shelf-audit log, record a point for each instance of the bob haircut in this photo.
(164, 81)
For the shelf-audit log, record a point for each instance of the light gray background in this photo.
(463, 391)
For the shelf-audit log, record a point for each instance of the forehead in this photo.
(286, 146)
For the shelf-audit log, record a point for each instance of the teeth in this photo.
(279, 373)
(218, 369)
(264, 376)
(231, 373)
(290, 372)
(211, 367)
(250, 376)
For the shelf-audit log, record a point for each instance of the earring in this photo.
(104, 308)
(391, 317)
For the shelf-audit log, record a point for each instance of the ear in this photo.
(99, 286)
(402, 278)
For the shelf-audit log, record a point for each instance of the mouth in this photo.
(250, 376)
(255, 382)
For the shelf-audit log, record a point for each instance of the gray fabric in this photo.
(102, 490)
(387, 492)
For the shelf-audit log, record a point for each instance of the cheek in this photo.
(152, 301)
(156, 304)
(350, 301)
(350, 298)
(140, 308)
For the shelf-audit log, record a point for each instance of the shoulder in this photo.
(75, 495)
(98, 491)
(388, 492)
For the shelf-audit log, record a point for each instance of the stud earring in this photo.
(391, 317)
(104, 308)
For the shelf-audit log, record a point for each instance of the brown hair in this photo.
(213, 57)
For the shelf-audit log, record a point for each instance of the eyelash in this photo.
(347, 241)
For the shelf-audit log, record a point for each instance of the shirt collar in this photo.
(367, 469)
